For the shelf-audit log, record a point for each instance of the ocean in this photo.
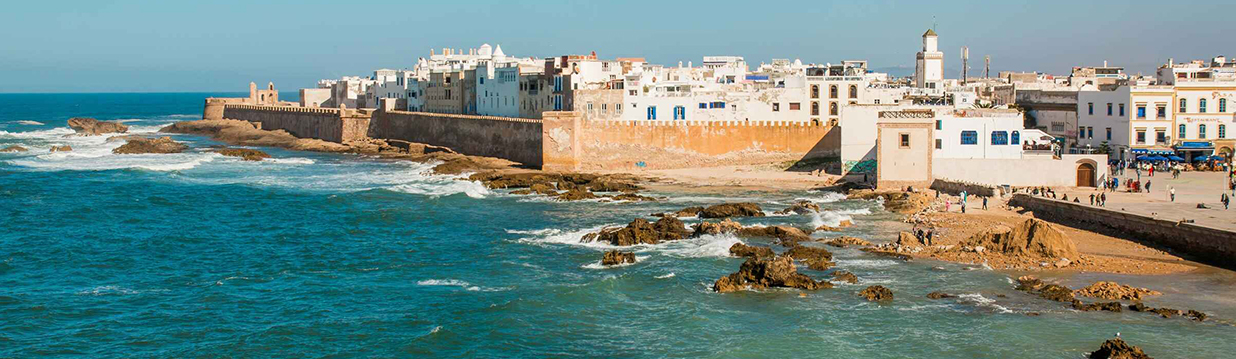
(332, 255)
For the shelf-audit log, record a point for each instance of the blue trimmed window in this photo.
(652, 112)
(1016, 139)
(1201, 105)
(1222, 105)
(1000, 138)
(1201, 131)
(1181, 134)
(969, 137)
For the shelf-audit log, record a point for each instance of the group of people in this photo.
(924, 237)
(1099, 199)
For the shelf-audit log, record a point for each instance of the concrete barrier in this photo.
(1203, 244)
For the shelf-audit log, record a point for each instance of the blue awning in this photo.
(1195, 145)
(1144, 151)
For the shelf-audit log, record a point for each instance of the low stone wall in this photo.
(1027, 171)
(514, 139)
(329, 124)
(1203, 244)
(955, 188)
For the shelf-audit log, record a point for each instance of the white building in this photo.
(929, 63)
(1103, 120)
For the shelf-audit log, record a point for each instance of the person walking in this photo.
(1226, 200)
(984, 203)
(1172, 190)
(1147, 186)
(1092, 199)
(1103, 200)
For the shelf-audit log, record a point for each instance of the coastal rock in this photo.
(150, 145)
(845, 223)
(906, 239)
(801, 207)
(843, 242)
(543, 188)
(1164, 312)
(743, 250)
(732, 210)
(631, 197)
(877, 293)
(1032, 284)
(1034, 238)
(604, 184)
(1118, 349)
(14, 148)
(765, 273)
(87, 126)
(615, 257)
(1114, 291)
(815, 258)
(245, 153)
(884, 252)
(788, 236)
(1029, 283)
(939, 295)
(64, 148)
(844, 276)
(725, 226)
(640, 231)
(1090, 307)
(575, 195)
(895, 201)
(683, 213)
(244, 133)
(1195, 315)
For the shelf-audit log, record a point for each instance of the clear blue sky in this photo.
(108, 46)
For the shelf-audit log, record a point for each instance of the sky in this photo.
(187, 46)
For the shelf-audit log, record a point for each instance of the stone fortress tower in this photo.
(929, 67)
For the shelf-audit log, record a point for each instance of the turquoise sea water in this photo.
(312, 255)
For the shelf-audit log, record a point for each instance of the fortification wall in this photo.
(514, 139)
(684, 144)
(330, 124)
(1204, 244)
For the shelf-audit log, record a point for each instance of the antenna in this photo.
(965, 64)
(933, 23)
(987, 67)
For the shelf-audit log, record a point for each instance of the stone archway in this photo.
(1085, 174)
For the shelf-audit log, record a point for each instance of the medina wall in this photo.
(329, 124)
(1029, 171)
(624, 145)
(514, 139)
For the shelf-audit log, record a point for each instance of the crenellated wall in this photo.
(329, 124)
(514, 139)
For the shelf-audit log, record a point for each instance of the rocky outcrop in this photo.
(575, 195)
(150, 145)
(844, 276)
(906, 239)
(1032, 239)
(563, 187)
(766, 273)
(631, 197)
(86, 126)
(1114, 291)
(14, 148)
(816, 258)
(895, 201)
(683, 213)
(845, 223)
(877, 293)
(842, 242)
(1103, 306)
(1118, 349)
(245, 153)
(615, 257)
(725, 226)
(1032, 284)
(640, 231)
(732, 210)
(801, 207)
(939, 295)
(65, 148)
(786, 235)
(746, 251)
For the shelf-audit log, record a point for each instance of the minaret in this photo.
(929, 67)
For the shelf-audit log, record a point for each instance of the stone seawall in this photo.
(330, 124)
(514, 139)
(1203, 244)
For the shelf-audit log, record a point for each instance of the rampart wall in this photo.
(1201, 243)
(514, 139)
(330, 124)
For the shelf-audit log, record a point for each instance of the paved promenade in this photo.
(1191, 188)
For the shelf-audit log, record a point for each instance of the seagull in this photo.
(1117, 334)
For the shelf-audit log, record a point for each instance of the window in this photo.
(652, 112)
(1160, 136)
(1109, 133)
(832, 109)
(1161, 112)
(703, 105)
(1183, 106)
(716, 104)
(877, 101)
(1222, 105)
(1109, 108)
(482, 78)
(1016, 139)
(1141, 111)
(832, 91)
(618, 109)
(794, 106)
(815, 108)
(1181, 134)
(939, 144)
(1122, 110)
(1201, 105)
(1201, 131)
(1081, 132)
(1141, 137)
(853, 91)
(969, 137)
(999, 138)
(776, 107)
(939, 125)
(815, 91)
(1090, 135)
(1091, 107)
(680, 113)
(905, 140)
(604, 109)
(1222, 131)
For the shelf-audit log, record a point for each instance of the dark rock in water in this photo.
(150, 145)
(542, 188)
(884, 253)
(689, 212)
(816, 258)
(765, 273)
(743, 250)
(1028, 283)
(575, 195)
(608, 185)
(65, 148)
(842, 242)
(939, 295)
(522, 192)
(877, 293)
(788, 236)
(1118, 349)
(632, 197)
(615, 257)
(87, 126)
(245, 153)
(1057, 293)
(14, 148)
(1090, 307)
(732, 210)
(844, 276)
(801, 207)
(1164, 312)
(1196, 315)
(640, 231)
(714, 228)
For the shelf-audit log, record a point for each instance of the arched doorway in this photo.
(1085, 175)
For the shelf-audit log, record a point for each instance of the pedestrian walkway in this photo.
(1191, 188)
